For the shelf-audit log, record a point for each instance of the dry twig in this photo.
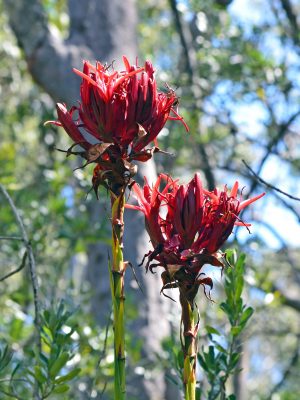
(269, 184)
(15, 271)
(31, 263)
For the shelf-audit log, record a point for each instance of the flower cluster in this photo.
(187, 224)
(119, 115)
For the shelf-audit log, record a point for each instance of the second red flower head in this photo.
(187, 224)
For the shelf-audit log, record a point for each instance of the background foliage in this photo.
(235, 66)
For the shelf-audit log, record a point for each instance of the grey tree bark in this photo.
(103, 30)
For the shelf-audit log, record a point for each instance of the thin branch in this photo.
(23, 263)
(31, 263)
(103, 352)
(103, 390)
(275, 194)
(13, 380)
(283, 128)
(8, 394)
(292, 17)
(11, 238)
(182, 32)
(269, 184)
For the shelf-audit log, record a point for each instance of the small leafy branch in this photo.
(220, 361)
(51, 374)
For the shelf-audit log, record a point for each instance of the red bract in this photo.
(122, 109)
(187, 224)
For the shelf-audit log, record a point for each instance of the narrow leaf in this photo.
(212, 330)
(68, 376)
(58, 364)
(61, 389)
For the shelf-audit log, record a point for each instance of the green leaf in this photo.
(180, 359)
(59, 363)
(52, 323)
(210, 357)
(247, 314)
(234, 360)
(62, 338)
(47, 335)
(239, 287)
(239, 306)
(240, 264)
(44, 359)
(39, 374)
(223, 362)
(15, 371)
(47, 315)
(61, 389)
(198, 393)
(221, 348)
(5, 358)
(225, 307)
(68, 376)
(202, 362)
(212, 330)
(16, 329)
(236, 330)
(231, 397)
(60, 310)
(230, 255)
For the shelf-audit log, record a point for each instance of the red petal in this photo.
(70, 127)
(133, 207)
(246, 203)
(234, 189)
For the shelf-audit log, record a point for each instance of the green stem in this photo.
(189, 345)
(117, 271)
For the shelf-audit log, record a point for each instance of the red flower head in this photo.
(122, 112)
(187, 224)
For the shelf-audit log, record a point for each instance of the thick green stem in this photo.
(189, 345)
(117, 271)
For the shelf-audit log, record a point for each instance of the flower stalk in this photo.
(117, 272)
(189, 343)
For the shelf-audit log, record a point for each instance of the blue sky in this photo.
(251, 117)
